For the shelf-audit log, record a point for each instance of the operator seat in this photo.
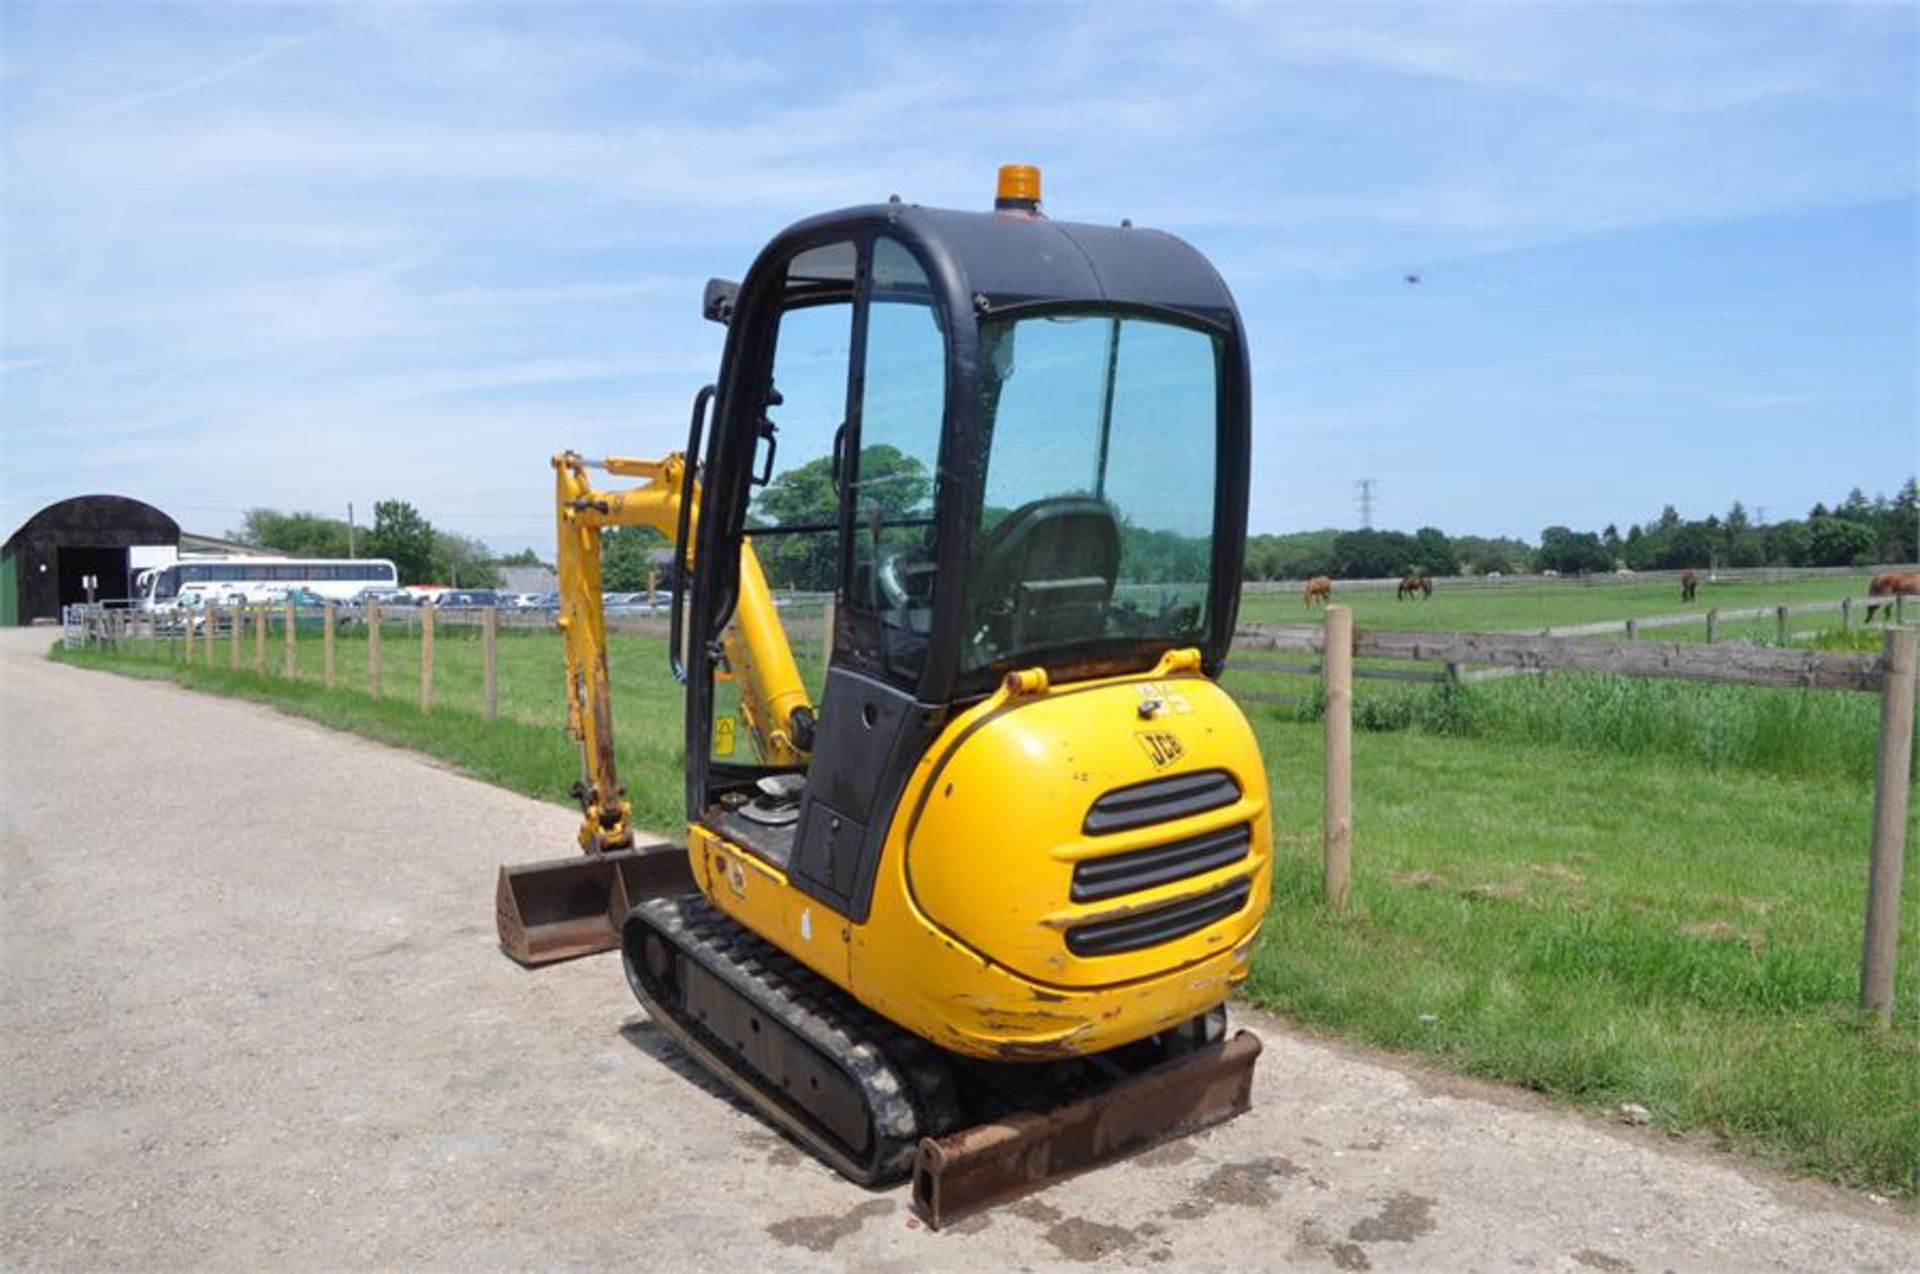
(1045, 575)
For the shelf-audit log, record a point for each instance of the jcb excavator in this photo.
(971, 910)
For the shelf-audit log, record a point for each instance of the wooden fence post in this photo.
(290, 661)
(373, 649)
(1713, 622)
(239, 618)
(490, 659)
(260, 640)
(1780, 621)
(426, 656)
(328, 622)
(210, 624)
(1633, 630)
(1846, 614)
(1880, 948)
(1336, 673)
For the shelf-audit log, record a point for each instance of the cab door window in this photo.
(894, 469)
(793, 518)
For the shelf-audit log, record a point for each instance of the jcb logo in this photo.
(1163, 748)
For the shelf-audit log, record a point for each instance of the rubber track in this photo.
(904, 1082)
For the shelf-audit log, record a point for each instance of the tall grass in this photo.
(1805, 734)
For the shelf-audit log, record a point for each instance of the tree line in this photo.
(420, 551)
(1855, 531)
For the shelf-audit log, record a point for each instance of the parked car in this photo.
(619, 604)
(467, 598)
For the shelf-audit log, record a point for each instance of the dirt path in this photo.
(253, 1015)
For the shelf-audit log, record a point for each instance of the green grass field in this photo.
(1602, 890)
(1522, 606)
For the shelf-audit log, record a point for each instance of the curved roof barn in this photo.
(45, 562)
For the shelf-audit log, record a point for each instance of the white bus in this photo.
(226, 580)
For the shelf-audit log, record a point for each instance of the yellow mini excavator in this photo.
(970, 909)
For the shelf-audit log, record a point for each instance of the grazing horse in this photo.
(1890, 584)
(1412, 584)
(1320, 587)
(1689, 585)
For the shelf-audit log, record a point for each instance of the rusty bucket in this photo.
(567, 907)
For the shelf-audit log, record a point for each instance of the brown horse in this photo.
(1891, 584)
(1689, 585)
(1411, 584)
(1320, 588)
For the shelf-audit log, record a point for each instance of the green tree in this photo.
(1900, 532)
(1789, 544)
(1636, 550)
(463, 561)
(294, 534)
(1571, 552)
(890, 485)
(1838, 542)
(1295, 555)
(1481, 555)
(403, 536)
(1370, 554)
(626, 556)
(1610, 540)
(1434, 553)
(802, 496)
(1691, 545)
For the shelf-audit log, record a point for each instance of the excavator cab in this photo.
(989, 881)
(1002, 443)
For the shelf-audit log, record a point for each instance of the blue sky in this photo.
(295, 256)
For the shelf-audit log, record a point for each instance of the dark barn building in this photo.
(43, 563)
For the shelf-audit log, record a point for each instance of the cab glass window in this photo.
(1096, 516)
(892, 475)
(793, 519)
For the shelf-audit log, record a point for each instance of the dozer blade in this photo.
(987, 1164)
(570, 907)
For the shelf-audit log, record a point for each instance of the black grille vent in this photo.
(1138, 869)
(1162, 924)
(1160, 801)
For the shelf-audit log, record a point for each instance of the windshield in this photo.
(1096, 517)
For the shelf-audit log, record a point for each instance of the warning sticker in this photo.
(723, 736)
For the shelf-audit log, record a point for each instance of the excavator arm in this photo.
(569, 907)
(774, 704)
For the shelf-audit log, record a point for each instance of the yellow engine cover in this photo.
(1069, 870)
(977, 938)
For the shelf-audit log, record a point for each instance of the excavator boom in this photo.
(570, 907)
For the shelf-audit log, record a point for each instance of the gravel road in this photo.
(253, 1015)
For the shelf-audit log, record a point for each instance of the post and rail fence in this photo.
(1890, 674)
(193, 635)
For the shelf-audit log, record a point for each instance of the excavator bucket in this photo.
(568, 907)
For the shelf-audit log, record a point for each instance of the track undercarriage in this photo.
(880, 1104)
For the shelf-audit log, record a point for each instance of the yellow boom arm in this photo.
(755, 643)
